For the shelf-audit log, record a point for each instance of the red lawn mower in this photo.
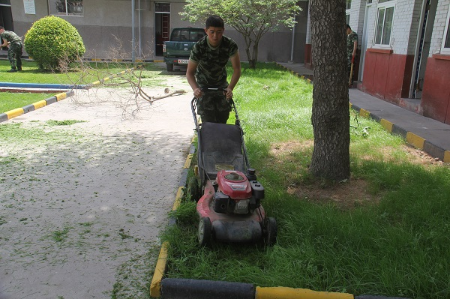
(230, 207)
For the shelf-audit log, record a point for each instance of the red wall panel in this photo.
(436, 89)
(308, 62)
(387, 75)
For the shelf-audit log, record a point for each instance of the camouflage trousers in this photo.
(214, 107)
(15, 54)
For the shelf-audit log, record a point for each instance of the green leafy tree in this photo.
(53, 43)
(251, 18)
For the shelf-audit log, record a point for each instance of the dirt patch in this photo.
(345, 195)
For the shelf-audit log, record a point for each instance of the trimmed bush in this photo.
(53, 43)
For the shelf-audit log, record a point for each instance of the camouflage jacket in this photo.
(10, 37)
(351, 38)
(211, 62)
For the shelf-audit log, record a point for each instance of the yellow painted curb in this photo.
(155, 286)
(364, 113)
(40, 104)
(178, 198)
(290, 293)
(61, 96)
(415, 140)
(96, 83)
(14, 113)
(387, 125)
(447, 156)
(188, 161)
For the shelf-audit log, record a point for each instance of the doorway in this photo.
(162, 26)
(6, 19)
(423, 48)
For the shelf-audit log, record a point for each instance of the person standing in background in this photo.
(352, 45)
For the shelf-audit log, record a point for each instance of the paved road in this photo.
(82, 205)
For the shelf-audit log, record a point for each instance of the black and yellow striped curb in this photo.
(102, 81)
(160, 268)
(19, 111)
(307, 78)
(206, 289)
(122, 60)
(411, 138)
(178, 288)
(58, 97)
(93, 59)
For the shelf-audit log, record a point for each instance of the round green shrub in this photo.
(53, 43)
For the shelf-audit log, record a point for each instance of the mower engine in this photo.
(235, 194)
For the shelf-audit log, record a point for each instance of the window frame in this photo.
(446, 50)
(66, 13)
(384, 6)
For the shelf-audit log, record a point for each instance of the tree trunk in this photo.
(255, 54)
(251, 60)
(330, 111)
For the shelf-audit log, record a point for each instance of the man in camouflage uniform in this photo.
(207, 68)
(14, 43)
(352, 45)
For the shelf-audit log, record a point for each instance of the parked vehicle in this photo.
(177, 50)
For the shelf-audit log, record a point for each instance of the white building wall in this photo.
(357, 18)
(416, 25)
(308, 27)
(401, 26)
(371, 23)
(404, 27)
(439, 26)
(360, 15)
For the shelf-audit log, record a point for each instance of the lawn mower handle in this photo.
(237, 123)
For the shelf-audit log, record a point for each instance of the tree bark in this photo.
(330, 111)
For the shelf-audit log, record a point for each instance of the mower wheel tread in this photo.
(204, 231)
(270, 231)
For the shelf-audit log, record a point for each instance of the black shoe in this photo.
(12, 71)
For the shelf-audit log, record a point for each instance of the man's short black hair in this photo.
(1, 27)
(348, 26)
(214, 21)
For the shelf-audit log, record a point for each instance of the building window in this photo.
(347, 11)
(68, 7)
(446, 39)
(162, 7)
(384, 22)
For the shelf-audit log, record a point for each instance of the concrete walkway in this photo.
(424, 133)
(83, 204)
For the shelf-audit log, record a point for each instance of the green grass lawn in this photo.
(384, 232)
(80, 74)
